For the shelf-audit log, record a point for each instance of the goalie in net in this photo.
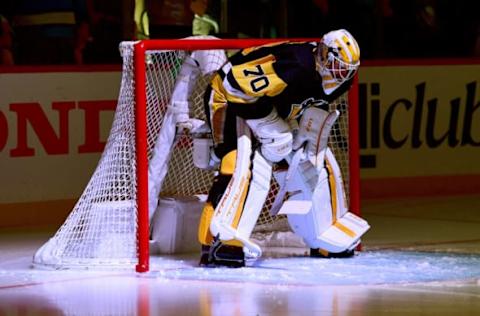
(267, 107)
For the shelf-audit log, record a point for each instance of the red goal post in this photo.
(109, 225)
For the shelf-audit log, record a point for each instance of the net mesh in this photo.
(101, 230)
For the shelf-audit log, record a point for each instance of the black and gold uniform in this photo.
(281, 75)
(270, 87)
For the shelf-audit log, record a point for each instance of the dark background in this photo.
(384, 28)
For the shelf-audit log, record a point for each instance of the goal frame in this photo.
(140, 50)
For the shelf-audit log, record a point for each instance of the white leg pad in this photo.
(327, 224)
(231, 201)
(257, 194)
(344, 234)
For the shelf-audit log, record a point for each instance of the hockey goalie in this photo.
(267, 106)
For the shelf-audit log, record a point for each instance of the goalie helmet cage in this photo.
(109, 225)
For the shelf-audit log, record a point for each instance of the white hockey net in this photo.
(101, 230)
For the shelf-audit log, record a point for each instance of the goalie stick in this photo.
(301, 207)
(292, 168)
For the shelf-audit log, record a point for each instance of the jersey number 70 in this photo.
(260, 81)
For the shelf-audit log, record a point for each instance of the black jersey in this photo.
(281, 75)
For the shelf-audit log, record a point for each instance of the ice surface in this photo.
(366, 268)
